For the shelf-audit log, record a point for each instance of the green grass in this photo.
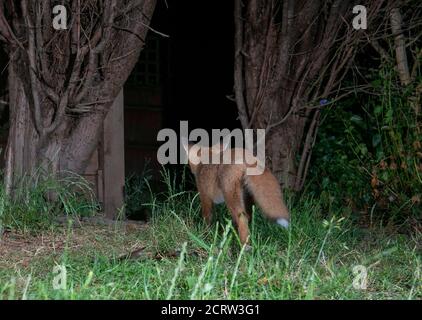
(185, 259)
(40, 197)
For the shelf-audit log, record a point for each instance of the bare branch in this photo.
(131, 6)
(33, 68)
(108, 19)
(238, 65)
(129, 31)
(155, 31)
(416, 65)
(60, 113)
(381, 51)
(401, 56)
(43, 57)
(307, 151)
(95, 50)
(6, 31)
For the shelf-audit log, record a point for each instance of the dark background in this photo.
(199, 73)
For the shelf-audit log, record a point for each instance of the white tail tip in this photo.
(283, 222)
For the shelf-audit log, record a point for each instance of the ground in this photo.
(182, 258)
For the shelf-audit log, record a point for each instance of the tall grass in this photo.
(39, 198)
(187, 259)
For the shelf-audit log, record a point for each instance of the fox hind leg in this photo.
(206, 208)
(248, 203)
(235, 203)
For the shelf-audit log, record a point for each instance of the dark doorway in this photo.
(201, 63)
(185, 75)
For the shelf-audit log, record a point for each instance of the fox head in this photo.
(197, 154)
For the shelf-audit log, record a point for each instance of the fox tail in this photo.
(266, 193)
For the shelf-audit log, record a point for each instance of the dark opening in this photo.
(185, 76)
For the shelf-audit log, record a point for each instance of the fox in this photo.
(229, 184)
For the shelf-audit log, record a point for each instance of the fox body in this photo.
(229, 183)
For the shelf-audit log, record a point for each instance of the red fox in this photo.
(229, 183)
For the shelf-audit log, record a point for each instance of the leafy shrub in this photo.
(368, 154)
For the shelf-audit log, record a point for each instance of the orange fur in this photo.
(231, 184)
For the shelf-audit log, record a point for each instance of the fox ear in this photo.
(185, 144)
(226, 143)
(220, 147)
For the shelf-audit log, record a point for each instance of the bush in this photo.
(368, 156)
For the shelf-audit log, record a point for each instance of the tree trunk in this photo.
(22, 140)
(400, 46)
(27, 150)
(290, 56)
(62, 84)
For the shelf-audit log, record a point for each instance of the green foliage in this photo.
(368, 153)
(38, 199)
